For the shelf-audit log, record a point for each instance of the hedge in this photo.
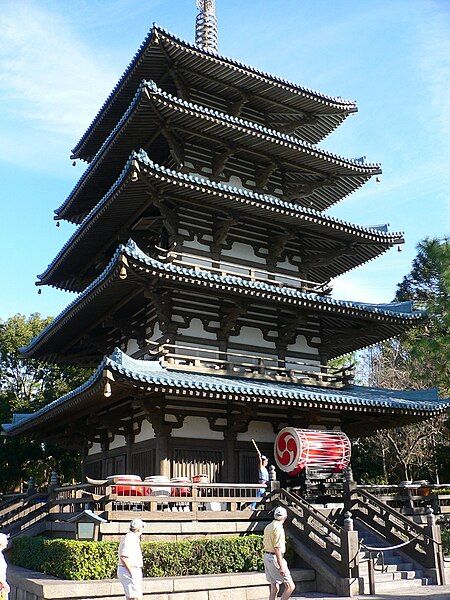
(77, 560)
(446, 541)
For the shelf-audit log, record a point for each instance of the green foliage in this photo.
(428, 346)
(446, 541)
(419, 359)
(26, 386)
(77, 560)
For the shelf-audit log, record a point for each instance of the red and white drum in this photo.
(297, 449)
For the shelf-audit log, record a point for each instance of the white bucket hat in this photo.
(279, 513)
(136, 524)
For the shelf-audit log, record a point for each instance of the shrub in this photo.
(70, 559)
(446, 541)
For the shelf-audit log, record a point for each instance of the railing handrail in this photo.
(323, 520)
(408, 523)
(263, 358)
(252, 270)
(403, 487)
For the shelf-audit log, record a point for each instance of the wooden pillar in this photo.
(229, 474)
(162, 439)
(105, 448)
(129, 441)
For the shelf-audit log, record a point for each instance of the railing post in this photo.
(52, 494)
(108, 506)
(434, 550)
(194, 492)
(31, 487)
(349, 486)
(350, 556)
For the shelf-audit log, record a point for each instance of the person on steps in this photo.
(275, 565)
(129, 569)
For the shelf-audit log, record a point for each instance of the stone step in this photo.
(389, 568)
(395, 576)
(393, 586)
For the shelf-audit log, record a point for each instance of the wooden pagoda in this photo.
(203, 259)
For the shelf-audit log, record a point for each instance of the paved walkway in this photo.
(434, 592)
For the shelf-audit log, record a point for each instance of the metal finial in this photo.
(206, 25)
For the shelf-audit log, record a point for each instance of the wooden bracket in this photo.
(220, 229)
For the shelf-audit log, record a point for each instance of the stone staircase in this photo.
(394, 571)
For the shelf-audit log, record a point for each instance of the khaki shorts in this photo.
(273, 574)
(132, 583)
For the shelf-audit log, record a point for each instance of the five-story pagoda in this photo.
(203, 261)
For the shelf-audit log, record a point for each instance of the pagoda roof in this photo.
(162, 54)
(153, 113)
(150, 376)
(128, 197)
(131, 272)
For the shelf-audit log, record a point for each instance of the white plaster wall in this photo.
(197, 428)
(196, 329)
(132, 346)
(301, 345)
(118, 442)
(288, 266)
(155, 334)
(253, 337)
(260, 431)
(244, 252)
(193, 245)
(146, 433)
(95, 449)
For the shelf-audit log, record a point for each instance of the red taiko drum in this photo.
(297, 449)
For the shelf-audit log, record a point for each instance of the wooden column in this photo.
(129, 441)
(229, 473)
(105, 448)
(162, 438)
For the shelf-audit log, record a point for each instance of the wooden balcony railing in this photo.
(221, 267)
(203, 360)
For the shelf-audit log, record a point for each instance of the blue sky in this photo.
(59, 59)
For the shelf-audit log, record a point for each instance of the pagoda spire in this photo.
(206, 25)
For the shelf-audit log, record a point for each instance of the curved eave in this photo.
(128, 197)
(151, 105)
(122, 370)
(112, 287)
(150, 62)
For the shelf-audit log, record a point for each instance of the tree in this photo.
(419, 359)
(26, 386)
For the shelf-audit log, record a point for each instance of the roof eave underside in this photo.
(98, 299)
(150, 106)
(126, 196)
(151, 62)
(262, 392)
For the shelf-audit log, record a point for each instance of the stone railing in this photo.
(422, 544)
(333, 551)
(414, 498)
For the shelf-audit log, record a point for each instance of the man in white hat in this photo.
(4, 587)
(275, 565)
(129, 569)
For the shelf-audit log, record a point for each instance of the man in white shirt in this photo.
(275, 565)
(4, 587)
(129, 569)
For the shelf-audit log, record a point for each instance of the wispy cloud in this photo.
(51, 81)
